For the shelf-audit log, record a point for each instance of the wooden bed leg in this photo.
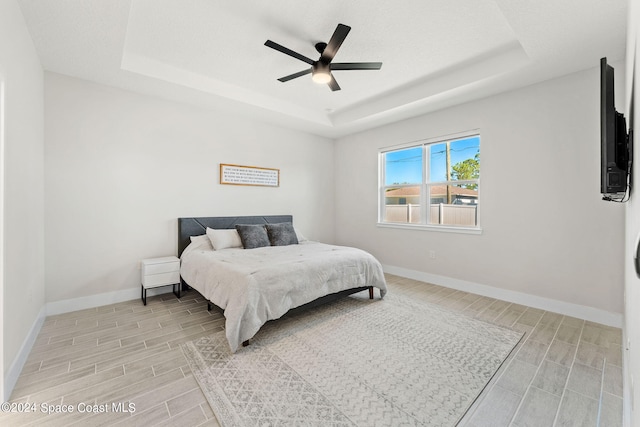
(370, 292)
(208, 305)
(245, 343)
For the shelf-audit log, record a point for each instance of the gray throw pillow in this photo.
(281, 234)
(253, 236)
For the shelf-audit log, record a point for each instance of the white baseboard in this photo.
(566, 308)
(14, 370)
(92, 301)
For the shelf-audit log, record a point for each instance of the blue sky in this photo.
(405, 166)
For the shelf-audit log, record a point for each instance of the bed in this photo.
(257, 285)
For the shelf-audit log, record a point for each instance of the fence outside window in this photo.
(441, 213)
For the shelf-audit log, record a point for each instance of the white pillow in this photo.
(223, 239)
(198, 242)
(201, 240)
(301, 238)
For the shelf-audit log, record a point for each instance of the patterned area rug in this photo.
(353, 362)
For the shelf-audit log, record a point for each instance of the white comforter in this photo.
(257, 285)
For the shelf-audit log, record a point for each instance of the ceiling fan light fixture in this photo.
(321, 73)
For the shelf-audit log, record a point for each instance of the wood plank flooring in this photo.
(101, 361)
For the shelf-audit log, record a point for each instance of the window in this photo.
(433, 184)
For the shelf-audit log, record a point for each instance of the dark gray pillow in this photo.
(281, 234)
(253, 236)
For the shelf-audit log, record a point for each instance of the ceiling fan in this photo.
(321, 69)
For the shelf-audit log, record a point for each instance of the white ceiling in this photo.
(435, 53)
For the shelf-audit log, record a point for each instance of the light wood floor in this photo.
(565, 371)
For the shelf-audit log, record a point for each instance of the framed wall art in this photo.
(249, 175)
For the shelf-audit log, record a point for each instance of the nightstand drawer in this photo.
(162, 279)
(159, 268)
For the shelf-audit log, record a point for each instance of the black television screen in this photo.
(613, 139)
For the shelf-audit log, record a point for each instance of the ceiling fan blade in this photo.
(333, 84)
(334, 44)
(295, 75)
(280, 48)
(356, 66)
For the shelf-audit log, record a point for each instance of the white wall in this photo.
(631, 339)
(23, 192)
(540, 158)
(121, 167)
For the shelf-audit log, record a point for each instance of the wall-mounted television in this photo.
(615, 141)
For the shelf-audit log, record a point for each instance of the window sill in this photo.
(441, 228)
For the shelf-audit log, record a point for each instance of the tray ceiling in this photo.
(435, 54)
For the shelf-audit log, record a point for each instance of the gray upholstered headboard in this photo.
(197, 226)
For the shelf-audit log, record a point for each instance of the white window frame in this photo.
(425, 186)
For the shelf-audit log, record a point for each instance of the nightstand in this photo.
(158, 272)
